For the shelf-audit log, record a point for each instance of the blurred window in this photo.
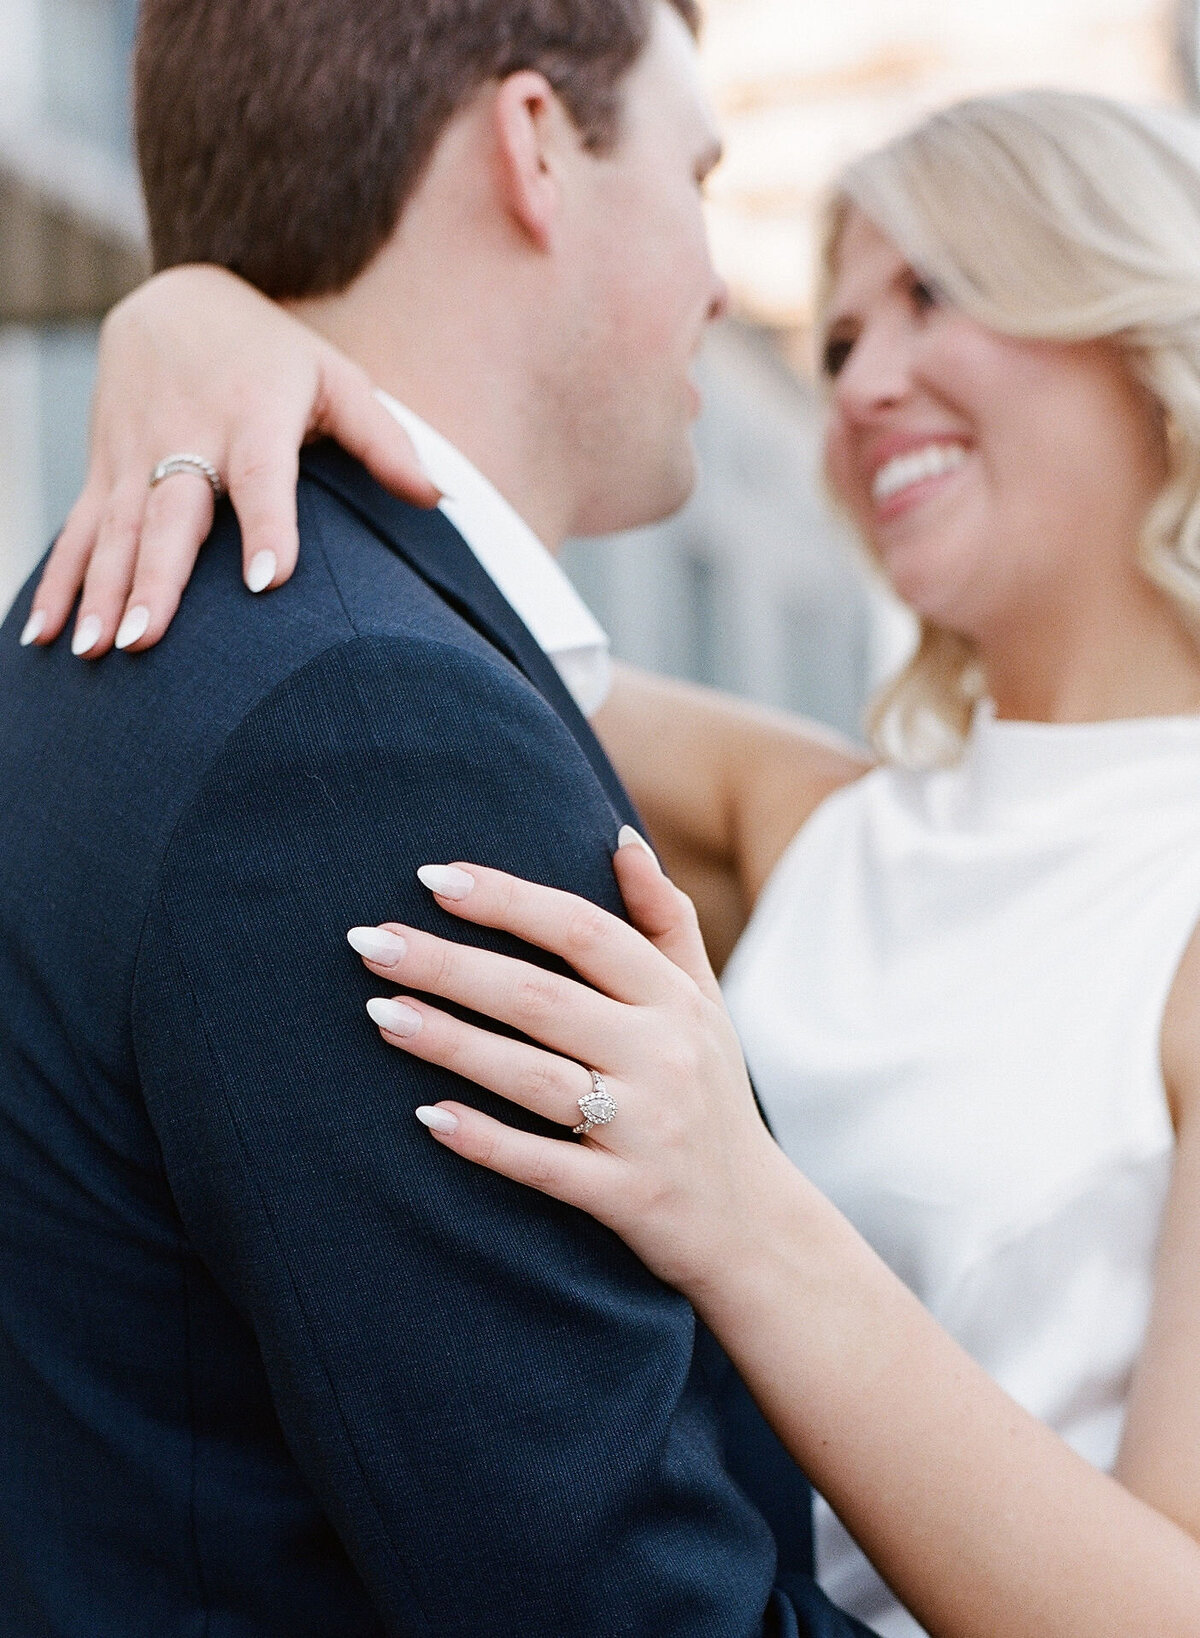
(1188, 29)
(700, 628)
(86, 46)
(824, 651)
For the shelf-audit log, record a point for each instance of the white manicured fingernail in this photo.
(87, 635)
(394, 1016)
(628, 837)
(133, 627)
(437, 1120)
(447, 881)
(33, 628)
(259, 575)
(374, 944)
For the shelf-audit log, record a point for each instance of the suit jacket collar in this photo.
(431, 544)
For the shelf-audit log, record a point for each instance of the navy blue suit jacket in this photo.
(273, 1364)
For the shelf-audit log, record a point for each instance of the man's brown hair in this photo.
(283, 138)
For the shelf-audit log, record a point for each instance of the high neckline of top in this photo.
(1089, 738)
(1008, 764)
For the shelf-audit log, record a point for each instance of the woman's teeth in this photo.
(902, 471)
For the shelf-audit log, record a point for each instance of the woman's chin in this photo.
(927, 582)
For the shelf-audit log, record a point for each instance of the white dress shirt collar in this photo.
(523, 570)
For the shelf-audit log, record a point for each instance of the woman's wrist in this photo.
(776, 1238)
(803, 1306)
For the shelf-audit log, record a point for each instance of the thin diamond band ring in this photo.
(188, 463)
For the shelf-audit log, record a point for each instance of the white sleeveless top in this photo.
(951, 997)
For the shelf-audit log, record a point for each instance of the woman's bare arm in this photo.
(984, 1521)
(723, 785)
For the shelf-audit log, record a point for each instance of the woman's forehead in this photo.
(864, 261)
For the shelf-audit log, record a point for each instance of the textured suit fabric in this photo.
(271, 1361)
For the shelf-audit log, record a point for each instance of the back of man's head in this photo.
(283, 138)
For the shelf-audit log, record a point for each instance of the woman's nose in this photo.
(877, 373)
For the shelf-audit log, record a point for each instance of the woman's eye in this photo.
(837, 351)
(924, 295)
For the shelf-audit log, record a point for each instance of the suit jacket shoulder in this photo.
(331, 1378)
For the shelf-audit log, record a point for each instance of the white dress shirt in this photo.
(523, 570)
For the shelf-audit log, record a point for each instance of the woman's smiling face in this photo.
(985, 473)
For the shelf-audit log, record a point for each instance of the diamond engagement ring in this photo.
(597, 1107)
(188, 463)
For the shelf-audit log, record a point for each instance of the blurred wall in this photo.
(71, 232)
(802, 87)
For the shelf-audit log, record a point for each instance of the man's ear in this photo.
(534, 136)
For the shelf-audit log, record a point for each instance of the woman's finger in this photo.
(177, 520)
(557, 1012)
(66, 567)
(661, 911)
(264, 467)
(600, 947)
(349, 411)
(541, 1082)
(110, 573)
(576, 1173)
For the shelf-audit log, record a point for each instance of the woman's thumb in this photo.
(659, 909)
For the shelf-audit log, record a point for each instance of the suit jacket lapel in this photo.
(440, 555)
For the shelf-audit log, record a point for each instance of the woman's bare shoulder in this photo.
(800, 766)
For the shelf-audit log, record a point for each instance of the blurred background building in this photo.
(71, 232)
(752, 586)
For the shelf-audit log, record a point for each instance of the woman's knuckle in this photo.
(171, 506)
(504, 890)
(540, 1080)
(82, 520)
(678, 1061)
(585, 928)
(536, 996)
(692, 1009)
(153, 583)
(130, 493)
(110, 558)
(119, 532)
(541, 1169)
(443, 963)
(62, 573)
(452, 1048)
(250, 467)
(353, 374)
(489, 1148)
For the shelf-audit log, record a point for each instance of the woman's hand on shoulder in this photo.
(197, 362)
(677, 1168)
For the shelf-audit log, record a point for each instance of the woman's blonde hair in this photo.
(1056, 216)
